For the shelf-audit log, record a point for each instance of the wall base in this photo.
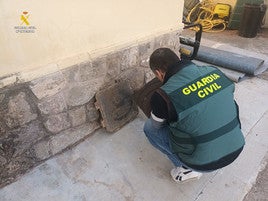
(47, 115)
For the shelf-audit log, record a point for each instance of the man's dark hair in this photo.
(162, 59)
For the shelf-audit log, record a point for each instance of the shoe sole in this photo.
(188, 180)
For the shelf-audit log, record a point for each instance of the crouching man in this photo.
(194, 118)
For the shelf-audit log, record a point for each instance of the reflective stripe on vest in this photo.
(208, 136)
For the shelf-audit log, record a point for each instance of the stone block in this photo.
(18, 166)
(19, 111)
(57, 123)
(3, 161)
(80, 93)
(100, 65)
(57, 143)
(169, 40)
(48, 85)
(86, 71)
(129, 58)
(71, 136)
(41, 150)
(53, 105)
(92, 113)
(134, 76)
(89, 70)
(8, 80)
(145, 50)
(2, 128)
(71, 74)
(78, 116)
(113, 62)
(2, 97)
(7, 147)
(27, 135)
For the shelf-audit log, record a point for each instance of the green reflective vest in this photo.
(208, 126)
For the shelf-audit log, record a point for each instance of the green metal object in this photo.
(238, 11)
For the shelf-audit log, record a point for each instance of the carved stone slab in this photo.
(116, 106)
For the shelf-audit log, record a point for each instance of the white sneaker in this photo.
(182, 174)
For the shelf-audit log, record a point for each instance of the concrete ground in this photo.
(260, 190)
(124, 166)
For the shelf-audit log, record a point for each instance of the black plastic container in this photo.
(250, 21)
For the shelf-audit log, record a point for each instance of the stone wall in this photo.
(48, 115)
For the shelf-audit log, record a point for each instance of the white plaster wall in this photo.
(75, 30)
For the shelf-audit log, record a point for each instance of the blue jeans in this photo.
(159, 138)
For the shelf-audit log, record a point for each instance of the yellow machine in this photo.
(213, 18)
(222, 11)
